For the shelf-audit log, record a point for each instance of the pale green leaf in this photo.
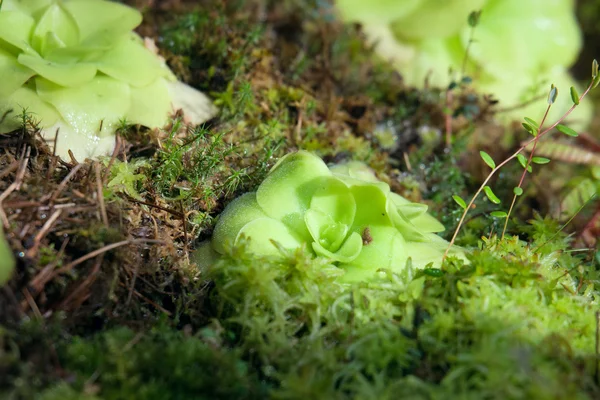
(566, 130)
(487, 159)
(490, 195)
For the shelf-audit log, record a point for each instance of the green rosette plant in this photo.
(516, 50)
(76, 66)
(343, 214)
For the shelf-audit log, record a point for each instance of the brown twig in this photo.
(12, 167)
(39, 281)
(170, 211)
(100, 194)
(15, 185)
(105, 249)
(42, 233)
(85, 284)
(32, 304)
(62, 184)
(147, 300)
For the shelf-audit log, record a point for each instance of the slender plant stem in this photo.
(529, 159)
(506, 161)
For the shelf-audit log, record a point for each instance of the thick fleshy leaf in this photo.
(13, 75)
(348, 252)
(69, 75)
(432, 61)
(376, 11)
(435, 19)
(425, 221)
(325, 231)
(205, 256)
(101, 23)
(197, 107)
(54, 21)
(334, 198)
(7, 260)
(263, 231)
(286, 192)
(545, 34)
(100, 103)
(150, 105)
(238, 213)
(26, 98)
(386, 249)
(412, 210)
(82, 146)
(407, 228)
(131, 62)
(371, 204)
(355, 169)
(16, 28)
(431, 251)
(519, 90)
(31, 7)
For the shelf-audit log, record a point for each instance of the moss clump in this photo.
(160, 364)
(515, 323)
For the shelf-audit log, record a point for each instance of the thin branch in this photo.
(506, 161)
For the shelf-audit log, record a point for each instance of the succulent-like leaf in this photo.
(491, 195)
(236, 215)
(487, 159)
(263, 231)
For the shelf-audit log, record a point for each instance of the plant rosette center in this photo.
(342, 213)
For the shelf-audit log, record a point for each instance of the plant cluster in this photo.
(427, 38)
(536, 130)
(342, 214)
(78, 68)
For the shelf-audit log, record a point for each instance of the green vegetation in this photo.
(106, 301)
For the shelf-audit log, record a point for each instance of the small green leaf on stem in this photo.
(498, 214)
(553, 94)
(540, 160)
(490, 195)
(574, 96)
(595, 82)
(487, 159)
(518, 191)
(566, 130)
(523, 162)
(533, 131)
(532, 122)
(459, 201)
(473, 19)
(594, 68)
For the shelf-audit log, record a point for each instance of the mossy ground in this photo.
(106, 302)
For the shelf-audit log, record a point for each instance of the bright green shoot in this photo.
(537, 131)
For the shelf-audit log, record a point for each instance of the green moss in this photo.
(512, 324)
(160, 364)
(517, 323)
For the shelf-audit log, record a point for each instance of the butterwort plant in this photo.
(343, 214)
(509, 48)
(76, 66)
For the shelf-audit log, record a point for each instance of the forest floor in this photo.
(108, 303)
